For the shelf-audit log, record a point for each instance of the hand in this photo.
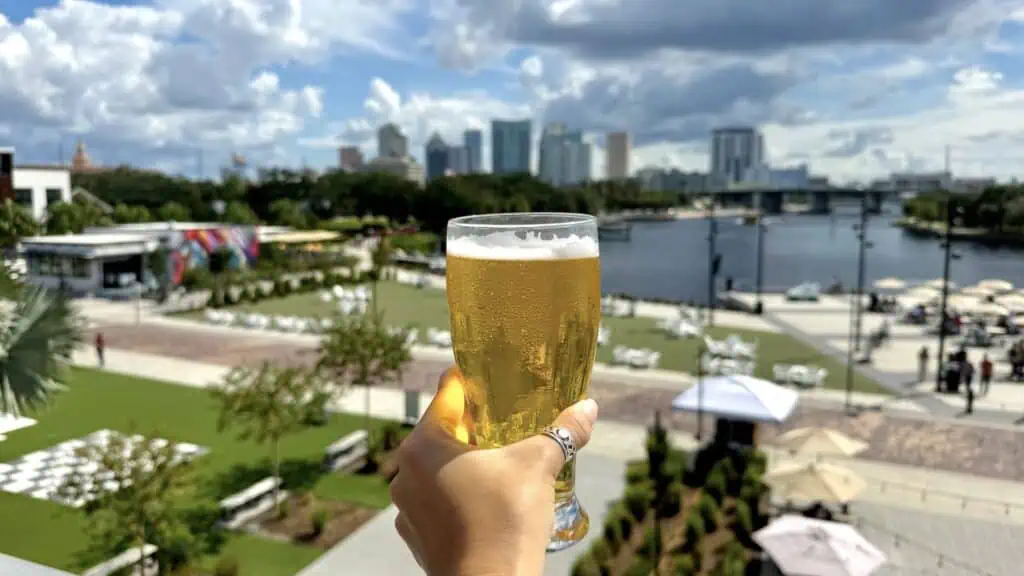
(465, 511)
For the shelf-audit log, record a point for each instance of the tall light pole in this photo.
(714, 261)
(952, 217)
(857, 302)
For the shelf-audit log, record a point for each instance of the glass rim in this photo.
(497, 220)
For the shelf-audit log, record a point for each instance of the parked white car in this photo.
(806, 292)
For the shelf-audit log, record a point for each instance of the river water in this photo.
(669, 260)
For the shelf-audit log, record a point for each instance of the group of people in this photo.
(1016, 357)
(957, 371)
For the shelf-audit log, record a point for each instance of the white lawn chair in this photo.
(715, 347)
(710, 364)
(412, 337)
(346, 307)
(684, 329)
(362, 294)
(739, 349)
(818, 377)
(620, 355)
(325, 296)
(337, 291)
(603, 336)
(781, 373)
(653, 358)
(211, 316)
(326, 324)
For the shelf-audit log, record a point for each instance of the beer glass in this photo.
(524, 296)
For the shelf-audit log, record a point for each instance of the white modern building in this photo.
(406, 167)
(391, 142)
(734, 151)
(564, 156)
(92, 264)
(618, 148)
(35, 186)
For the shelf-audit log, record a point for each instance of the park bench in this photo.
(347, 451)
(129, 559)
(243, 506)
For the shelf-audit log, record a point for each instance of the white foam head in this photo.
(509, 246)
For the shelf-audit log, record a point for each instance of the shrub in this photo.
(624, 519)
(602, 553)
(638, 500)
(586, 565)
(636, 473)
(715, 486)
(684, 565)
(649, 547)
(672, 502)
(694, 530)
(612, 531)
(226, 566)
(709, 512)
(319, 521)
(641, 567)
(734, 560)
(744, 523)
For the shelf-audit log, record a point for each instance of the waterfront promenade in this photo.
(955, 512)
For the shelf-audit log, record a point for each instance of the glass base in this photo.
(571, 525)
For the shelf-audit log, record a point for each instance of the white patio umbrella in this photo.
(962, 303)
(987, 309)
(996, 285)
(924, 293)
(890, 284)
(810, 547)
(814, 440)
(977, 291)
(739, 397)
(937, 284)
(814, 482)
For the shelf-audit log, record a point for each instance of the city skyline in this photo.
(858, 93)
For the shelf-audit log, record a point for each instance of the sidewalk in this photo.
(888, 484)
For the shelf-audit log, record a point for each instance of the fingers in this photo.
(448, 407)
(409, 536)
(579, 420)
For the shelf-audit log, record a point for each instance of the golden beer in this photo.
(524, 331)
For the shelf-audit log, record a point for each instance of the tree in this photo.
(132, 491)
(74, 217)
(38, 338)
(380, 258)
(359, 350)
(125, 214)
(285, 212)
(240, 213)
(268, 403)
(173, 211)
(16, 223)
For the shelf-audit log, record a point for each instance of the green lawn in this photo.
(422, 308)
(51, 534)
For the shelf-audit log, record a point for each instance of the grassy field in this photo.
(52, 534)
(423, 308)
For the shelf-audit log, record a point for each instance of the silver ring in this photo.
(563, 438)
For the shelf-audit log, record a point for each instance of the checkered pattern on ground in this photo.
(40, 474)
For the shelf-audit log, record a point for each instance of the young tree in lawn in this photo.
(132, 492)
(268, 403)
(37, 338)
(380, 259)
(359, 350)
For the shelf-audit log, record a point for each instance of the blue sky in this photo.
(866, 88)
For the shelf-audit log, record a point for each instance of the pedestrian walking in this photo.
(986, 374)
(100, 347)
(922, 364)
(968, 379)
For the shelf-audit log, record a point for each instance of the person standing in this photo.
(986, 374)
(101, 346)
(968, 380)
(922, 364)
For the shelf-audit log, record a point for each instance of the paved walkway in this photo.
(924, 505)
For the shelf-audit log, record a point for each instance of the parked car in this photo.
(806, 292)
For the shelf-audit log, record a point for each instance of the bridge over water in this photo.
(771, 201)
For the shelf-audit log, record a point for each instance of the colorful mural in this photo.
(192, 248)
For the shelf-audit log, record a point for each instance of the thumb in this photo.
(579, 420)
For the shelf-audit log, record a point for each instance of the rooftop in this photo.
(12, 565)
(87, 239)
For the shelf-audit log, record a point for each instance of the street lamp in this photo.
(759, 306)
(714, 262)
(953, 218)
(857, 304)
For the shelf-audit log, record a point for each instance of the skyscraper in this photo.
(510, 146)
(350, 158)
(391, 142)
(458, 160)
(617, 150)
(734, 151)
(473, 140)
(564, 156)
(437, 157)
